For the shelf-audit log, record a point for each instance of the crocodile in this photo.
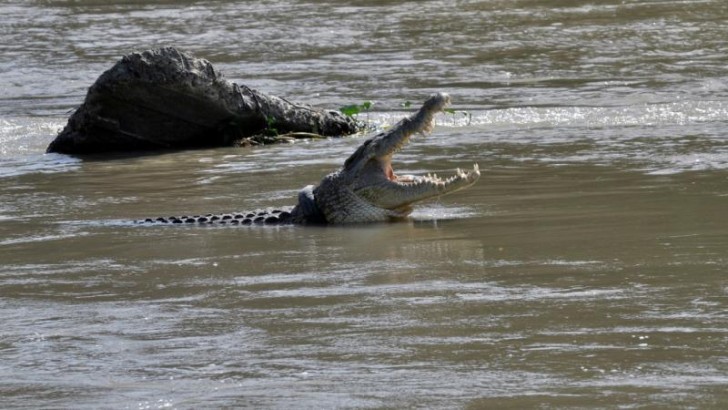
(365, 189)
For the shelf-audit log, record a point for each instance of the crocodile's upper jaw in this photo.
(373, 186)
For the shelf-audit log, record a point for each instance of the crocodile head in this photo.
(367, 189)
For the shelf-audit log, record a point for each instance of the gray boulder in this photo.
(166, 99)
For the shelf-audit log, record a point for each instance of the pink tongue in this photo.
(390, 173)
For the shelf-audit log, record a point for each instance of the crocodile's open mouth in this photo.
(378, 188)
(432, 179)
(385, 163)
(385, 188)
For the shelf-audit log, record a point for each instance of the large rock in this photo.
(166, 99)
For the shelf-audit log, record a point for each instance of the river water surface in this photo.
(587, 268)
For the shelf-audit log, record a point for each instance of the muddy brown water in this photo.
(587, 268)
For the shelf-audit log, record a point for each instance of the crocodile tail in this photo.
(265, 217)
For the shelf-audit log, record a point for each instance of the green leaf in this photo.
(407, 104)
(367, 105)
(350, 110)
(271, 120)
(449, 110)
